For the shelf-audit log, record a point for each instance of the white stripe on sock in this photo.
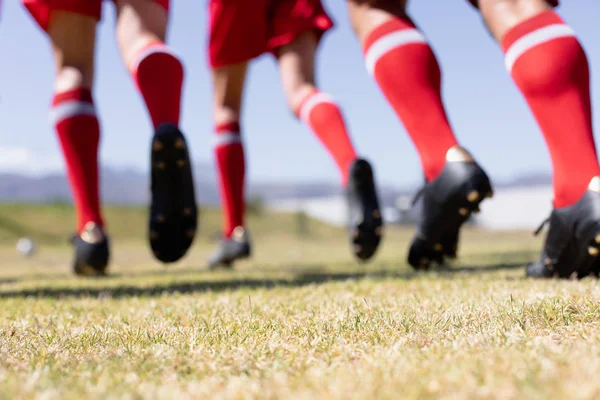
(389, 42)
(156, 48)
(226, 138)
(312, 102)
(533, 39)
(70, 109)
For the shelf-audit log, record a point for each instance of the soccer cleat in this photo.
(447, 203)
(92, 251)
(572, 244)
(449, 244)
(365, 221)
(173, 212)
(236, 247)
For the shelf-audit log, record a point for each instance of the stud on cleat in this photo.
(593, 251)
(463, 211)
(173, 210)
(364, 219)
(438, 247)
(473, 196)
(157, 145)
(597, 239)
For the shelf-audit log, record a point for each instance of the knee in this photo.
(74, 75)
(139, 23)
(226, 114)
(297, 95)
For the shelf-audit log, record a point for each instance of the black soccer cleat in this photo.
(450, 242)
(237, 247)
(572, 244)
(92, 251)
(173, 212)
(365, 223)
(447, 203)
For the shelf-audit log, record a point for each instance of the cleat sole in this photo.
(365, 236)
(173, 211)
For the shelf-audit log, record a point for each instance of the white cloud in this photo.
(23, 160)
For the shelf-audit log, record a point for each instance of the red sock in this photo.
(229, 153)
(74, 117)
(550, 67)
(324, 117)
(158, 74)
(407, 72)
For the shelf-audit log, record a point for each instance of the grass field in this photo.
(301, 320)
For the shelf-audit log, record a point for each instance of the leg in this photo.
(316, 109)
(73, 40)
(229, 154)
(158, 74)
(550, 68)
(238, 32)
(323, 116)
(406, 69)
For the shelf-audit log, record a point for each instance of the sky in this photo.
(488, 113)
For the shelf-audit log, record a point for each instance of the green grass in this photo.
(301, 320)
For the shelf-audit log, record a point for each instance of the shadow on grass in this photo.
(298, 279)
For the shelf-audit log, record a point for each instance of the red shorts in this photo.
(553, 3)
(241, 30)
(40, 9)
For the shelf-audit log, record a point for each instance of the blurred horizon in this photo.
(488, 113)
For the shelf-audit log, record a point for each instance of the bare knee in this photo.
(297, 69)
(502, 15)
(139, 22)
(297, 96)
(70, 76)
(73, 38)
(225, 113)
(228, 91)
